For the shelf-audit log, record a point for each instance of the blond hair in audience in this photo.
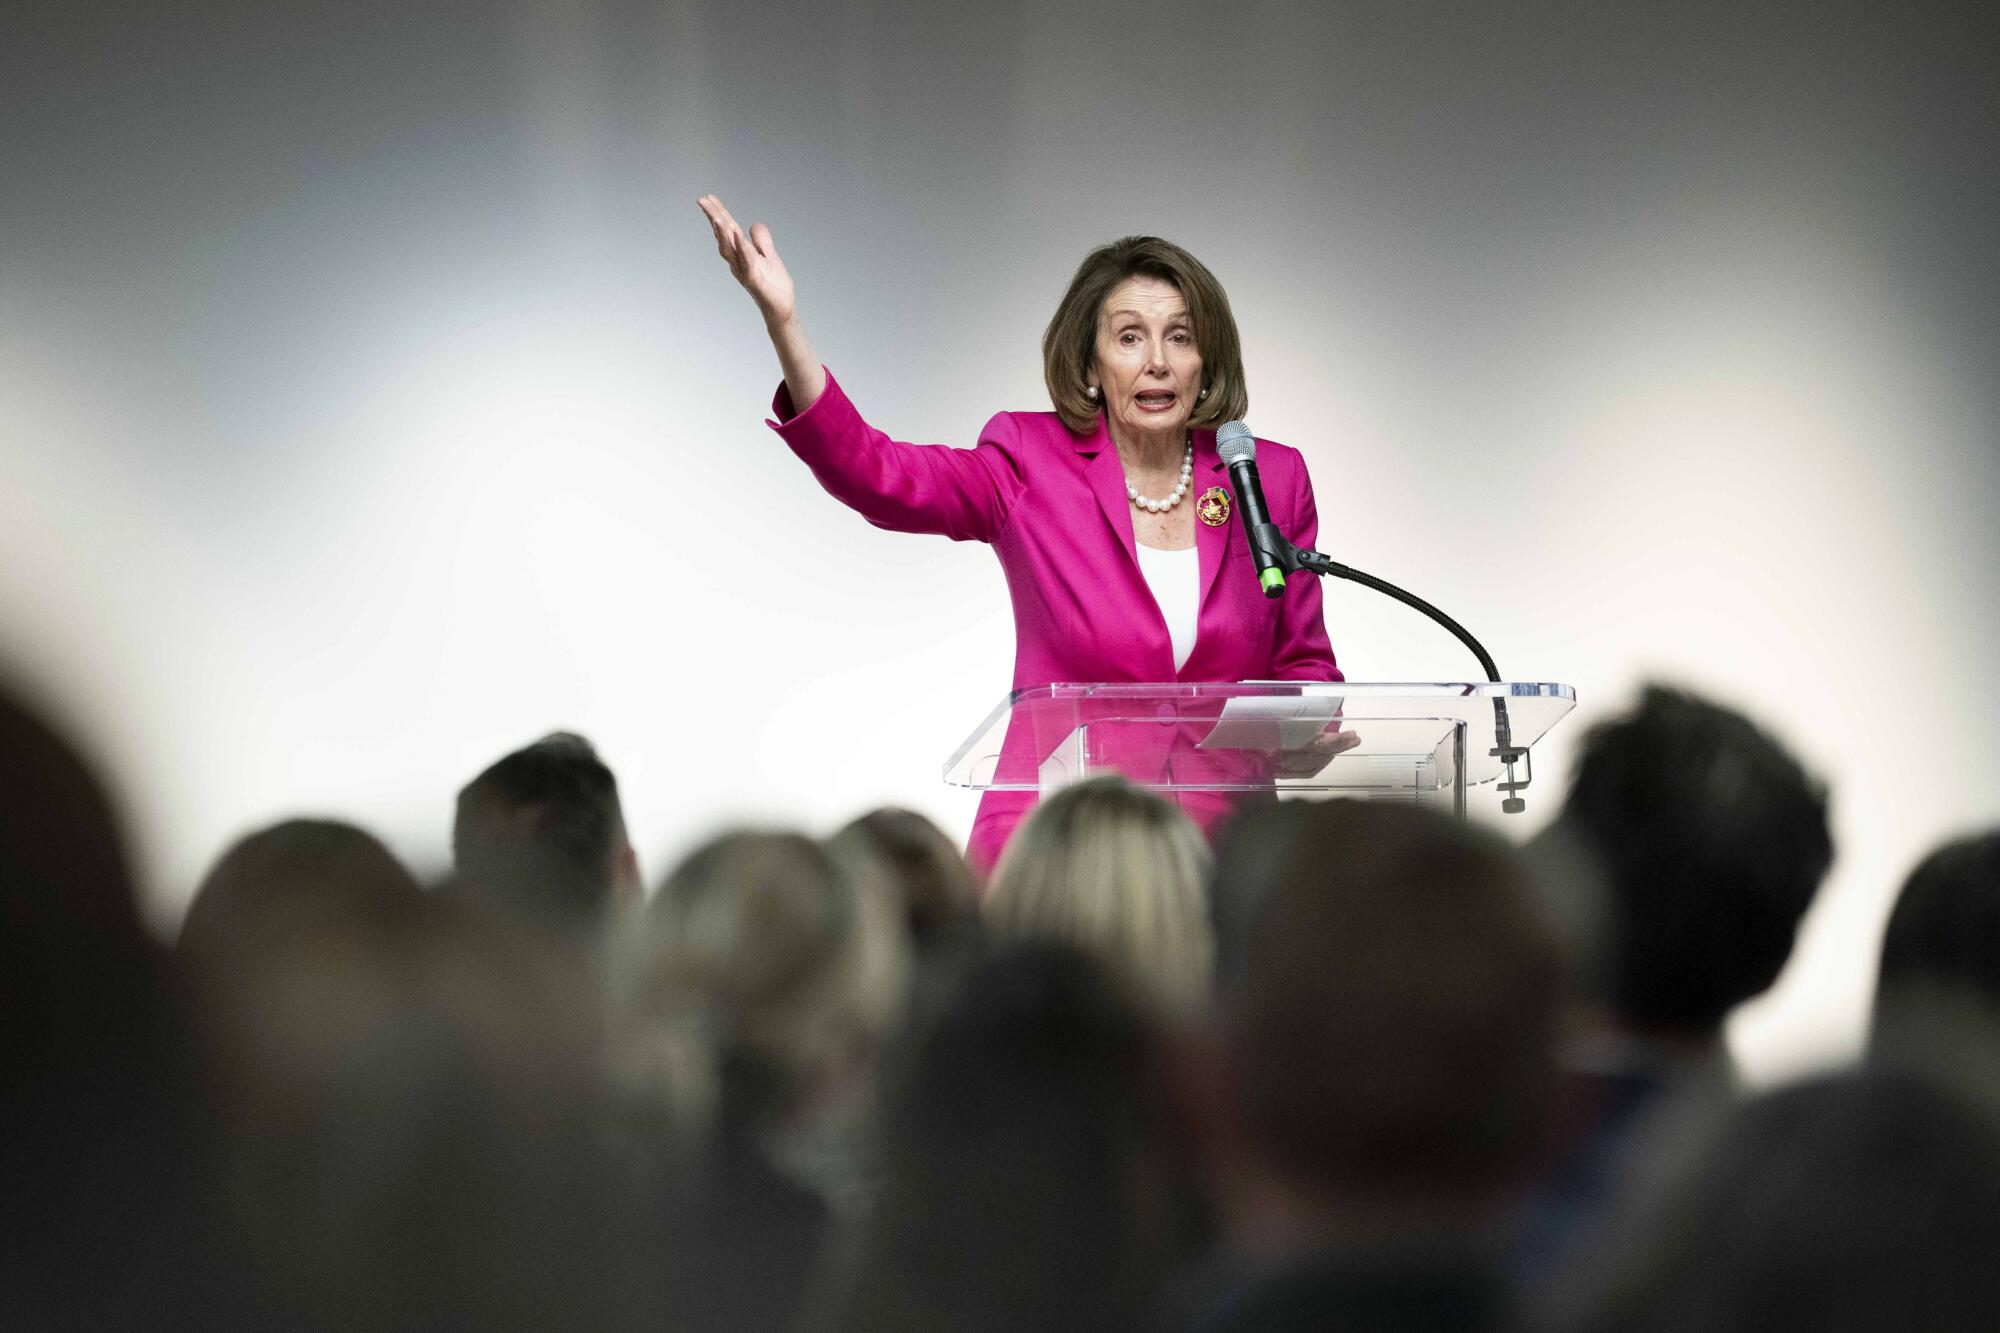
(1120, 873)
(761, 974)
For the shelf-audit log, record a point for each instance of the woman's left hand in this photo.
(1318, 754)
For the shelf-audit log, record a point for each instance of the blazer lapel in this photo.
(1212, 543)
(1107, 481)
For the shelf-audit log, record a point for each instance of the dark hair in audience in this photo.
(1714, 841)
(104, 1221)
(1859, 1202)
(1014, 1151)
(441, 1149)
(1250, 852)
(276, 889)
(939, 892)
(540, 832)
(64, 872)
(1945, 930)
(1395, 1006)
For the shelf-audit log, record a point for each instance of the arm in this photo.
(1301, 649)
(961, 493)
(753, 259)
(964, 494)
(805, 377)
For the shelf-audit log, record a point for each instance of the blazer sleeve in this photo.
(1302, 650)
(964, 494)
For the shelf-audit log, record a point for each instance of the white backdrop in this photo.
(372, 399)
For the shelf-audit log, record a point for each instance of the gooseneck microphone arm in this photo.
(1275, 556)
(1312, 562)
(1297, 558)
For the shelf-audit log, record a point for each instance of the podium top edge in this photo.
(1189, 688)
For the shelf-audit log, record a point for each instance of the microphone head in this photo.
(1235, 443)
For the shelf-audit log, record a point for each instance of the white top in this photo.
(1175, 578)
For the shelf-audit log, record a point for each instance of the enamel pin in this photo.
(1213, 507)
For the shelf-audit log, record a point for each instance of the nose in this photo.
(1156, 357)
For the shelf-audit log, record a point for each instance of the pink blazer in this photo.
(1053, 507)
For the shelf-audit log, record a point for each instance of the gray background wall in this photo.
(372, 399)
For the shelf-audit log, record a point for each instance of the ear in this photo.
(626, 886)
(1198, 1078)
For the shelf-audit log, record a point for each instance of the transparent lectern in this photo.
(1424, 743)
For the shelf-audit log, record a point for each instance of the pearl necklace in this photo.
(1180, 490)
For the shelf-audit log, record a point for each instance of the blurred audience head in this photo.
(1859, 1202)
(80, 977)
(1943, 935)
(408, 1082)
(1119, 872)
(427, 1149)
(1021, 1171)
(282, 894)
(541, 835)
(1250, 852)
(103, 1217)
(759, 982)
(294, 942)
(63, 871)
(937, 889)
(1712, 840)
(1392, 1023)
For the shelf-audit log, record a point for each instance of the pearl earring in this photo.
(1090, 392)
(1203, 394)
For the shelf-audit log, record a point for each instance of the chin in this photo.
(1164, 422)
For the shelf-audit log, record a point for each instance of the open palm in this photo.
(753, 259)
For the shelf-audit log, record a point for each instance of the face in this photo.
(1147, 367)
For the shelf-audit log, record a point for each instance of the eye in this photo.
(1128, 338)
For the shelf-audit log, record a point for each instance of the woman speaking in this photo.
(1109, 514)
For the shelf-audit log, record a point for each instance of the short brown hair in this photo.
(1394, 1008)
(1069, 343)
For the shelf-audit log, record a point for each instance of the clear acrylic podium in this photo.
(1425, 743)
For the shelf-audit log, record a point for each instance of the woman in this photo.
(1942, 943)
(1030, 1175)
(1091, 508)
(1121, 874)
(749, 1003)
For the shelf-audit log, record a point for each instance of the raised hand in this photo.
(754, 261)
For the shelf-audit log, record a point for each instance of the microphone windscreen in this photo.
(1235, 443)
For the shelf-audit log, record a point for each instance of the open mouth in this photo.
(1154, 400)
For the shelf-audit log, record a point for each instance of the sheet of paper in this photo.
(1287, 722)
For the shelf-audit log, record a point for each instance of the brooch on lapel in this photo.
(1213, 507)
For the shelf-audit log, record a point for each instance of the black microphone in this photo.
(1268, 546)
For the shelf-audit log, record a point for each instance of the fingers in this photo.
(722, 220)
(719, 221)
(740, 250)
(717, 215)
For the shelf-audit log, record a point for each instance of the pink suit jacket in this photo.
(1053, 507)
